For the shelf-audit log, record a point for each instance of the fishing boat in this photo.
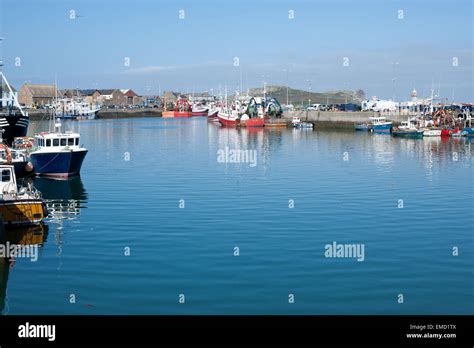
(57, 154)
(22, 206)
(18, 159)
(246, 121)
(71, 109)
(468, 130)
(447, 132)
(408, 133)
(212, 116)
(228, 117)
(431, 132)
(407, 129)
(297, 123)
(13, 120)
(199, 109)
(182, 108)
(379, 124)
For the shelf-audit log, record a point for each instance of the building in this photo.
(36, 95)
(130, 97)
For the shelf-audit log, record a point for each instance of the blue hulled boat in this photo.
(57, 154)
(380, 125)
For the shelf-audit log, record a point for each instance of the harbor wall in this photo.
(105, 114)
(339, 119)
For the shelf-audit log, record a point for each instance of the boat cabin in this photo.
(55, 140)
(378, 120)
(8, 180)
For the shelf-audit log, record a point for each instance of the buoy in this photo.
(29, 167)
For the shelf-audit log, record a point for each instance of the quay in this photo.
(338, 119)
(37, 115)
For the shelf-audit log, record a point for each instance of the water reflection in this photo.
(64, 198)
(31, 239)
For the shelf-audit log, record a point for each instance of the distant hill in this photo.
(298, 97)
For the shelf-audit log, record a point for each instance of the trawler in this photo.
(22, 206)
(13, 120)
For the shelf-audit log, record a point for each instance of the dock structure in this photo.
(336, 119)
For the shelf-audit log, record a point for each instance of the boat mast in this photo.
(15, 100)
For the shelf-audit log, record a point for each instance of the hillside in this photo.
(298, 97)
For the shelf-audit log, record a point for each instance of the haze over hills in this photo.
(298, 97)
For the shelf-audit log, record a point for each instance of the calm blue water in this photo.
(119, 204)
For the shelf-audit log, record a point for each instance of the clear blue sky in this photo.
(197, 52)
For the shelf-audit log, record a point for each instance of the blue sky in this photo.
(197, 52)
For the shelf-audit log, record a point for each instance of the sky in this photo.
(386, 48)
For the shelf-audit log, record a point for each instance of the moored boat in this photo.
(228, 117)
(71, 109)
(297, 123)
(22, 206)
(182, 108)
(449, 132)
(17, 158)
(431, 132)
(57, 154)
(408, 133)
(199, 110)
(380, 124)
(13, 120)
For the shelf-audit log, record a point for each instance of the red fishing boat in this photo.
(252, 122)
(182, 108)
(228, 117)
(448, 132)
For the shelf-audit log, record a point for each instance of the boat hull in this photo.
(167, 114)
(199, 113)
(468, 132)
(183, 114)
(253, 122)
(228, 121)
(85, 116)
(432, 132)
(22, 211)
(381, 128)
(407, 134)
(58, 165)
(448, 132)
(13, 126)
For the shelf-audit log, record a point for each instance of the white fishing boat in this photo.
(297, 123)
(75, 109)
(431, 132)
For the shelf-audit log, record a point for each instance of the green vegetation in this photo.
(298, 97)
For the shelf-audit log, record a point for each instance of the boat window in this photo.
(6, 175)
(48, 142)
(70, 141)
(55, 142)
(77, 141)
(63, 141)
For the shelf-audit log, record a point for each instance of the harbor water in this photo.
(167, 219)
